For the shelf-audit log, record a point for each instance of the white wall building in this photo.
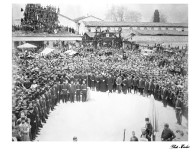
(67, 22)
(81, 27)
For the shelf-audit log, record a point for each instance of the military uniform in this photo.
(97, 83)
(164, 97)
(110, 83)
(32, 116)
(118, 84)
(124, 86)
(156, 88)
(146, 88)
(151, 88)
(135, 84)
(78, 90)
(66, 92)
(149, 131)
(178, 110)
(103, 84)
(92, 79)
(72, 91)
(129, 84)
(84, 92)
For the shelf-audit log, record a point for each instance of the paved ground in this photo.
(104, 118)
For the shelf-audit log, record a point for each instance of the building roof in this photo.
(156, 32)
(66, 17)
(180, 40)
(44, 34)
(83, 17)
(132, 24)
(90, 34)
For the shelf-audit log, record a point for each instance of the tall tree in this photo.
(162, 17)
(156, 16)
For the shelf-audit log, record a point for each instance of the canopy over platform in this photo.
(71, 52)
(27, 46)
(46, 51)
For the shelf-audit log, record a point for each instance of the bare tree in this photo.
(133, 16)
(111, 14)
(121, 13)
(163, 18)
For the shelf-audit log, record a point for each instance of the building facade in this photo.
(90, 26)
(67, 22)
(80, 20)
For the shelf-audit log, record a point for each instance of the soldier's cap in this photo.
(146, 119)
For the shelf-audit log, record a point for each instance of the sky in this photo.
(176, 13)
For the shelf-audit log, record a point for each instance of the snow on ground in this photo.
(104, 118)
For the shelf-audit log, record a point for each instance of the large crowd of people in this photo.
(41, 82)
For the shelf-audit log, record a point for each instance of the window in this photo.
(141, 28)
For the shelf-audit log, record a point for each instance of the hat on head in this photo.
(146, 119)
(166, 125)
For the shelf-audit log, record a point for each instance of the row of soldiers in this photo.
(134, 84)
(38, 110)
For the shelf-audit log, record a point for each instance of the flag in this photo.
(153, 115)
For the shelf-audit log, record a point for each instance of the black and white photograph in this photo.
(105, 72)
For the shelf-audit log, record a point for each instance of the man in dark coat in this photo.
(84, 91)
(78, 90)
(97, 82)
(164, 96)
(129, 83)
(72, 90)
(167, 133)
(149, 129)
(66, 91)
(103, 84)
(172, 98)
(146, 88)
(178, 109)
(47, 101)
(124, 85)
(92, 79)
(142, 86)
(110, 83)
(151, 87)
(135, 84)
(118, 84)
(60, 94)
(139, 84)
(156, 88)
(32, 115)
